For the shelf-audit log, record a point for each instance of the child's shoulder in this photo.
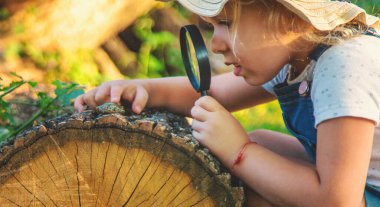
(354, 49)
(346, 80)
(351, 56)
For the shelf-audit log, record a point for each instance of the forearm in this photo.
(174, 94)
(285, 182)
(234, 93)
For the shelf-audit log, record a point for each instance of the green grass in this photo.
(265, 116)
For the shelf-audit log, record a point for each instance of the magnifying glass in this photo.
(195, 58)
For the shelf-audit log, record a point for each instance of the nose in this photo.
(219, 42)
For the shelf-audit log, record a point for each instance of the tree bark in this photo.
(94, 159)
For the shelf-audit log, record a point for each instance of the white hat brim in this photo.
(326, 15)
(322, 14)
(206, 8)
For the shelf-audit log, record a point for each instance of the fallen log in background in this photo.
(91, 159)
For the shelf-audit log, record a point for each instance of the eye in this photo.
(225, 22)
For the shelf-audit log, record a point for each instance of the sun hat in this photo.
(322, 14)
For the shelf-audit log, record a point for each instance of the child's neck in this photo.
(301, 60)
(299, 65)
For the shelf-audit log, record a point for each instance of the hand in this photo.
(132, 91)
(215, 128)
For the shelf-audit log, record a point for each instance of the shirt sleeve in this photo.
(347, 82)
(279, 78)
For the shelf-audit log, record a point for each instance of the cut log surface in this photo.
(90, 159)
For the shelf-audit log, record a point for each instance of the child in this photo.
(320, 59)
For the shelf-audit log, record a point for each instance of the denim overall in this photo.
(297, 110)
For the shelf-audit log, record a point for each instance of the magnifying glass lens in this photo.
(195, 58)
(192, 57)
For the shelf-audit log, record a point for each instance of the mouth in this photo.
(237, 70)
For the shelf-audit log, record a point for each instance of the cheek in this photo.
(262, 54)
(250, 49)
(243, 53)
(262, 65)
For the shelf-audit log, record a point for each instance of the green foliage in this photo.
(6, 116)
(43, 59)
(82, 68)
(266, 116)
(14, 50)
(46, 105)
(181, 10)
(32, 9)
(4, 14)
(78, 66)
(18, 29)
(371, 6)
(157, 50)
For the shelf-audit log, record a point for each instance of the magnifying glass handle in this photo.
(204, 93)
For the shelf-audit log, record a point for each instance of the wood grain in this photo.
(92, 159)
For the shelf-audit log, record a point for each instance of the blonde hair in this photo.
(281, 21)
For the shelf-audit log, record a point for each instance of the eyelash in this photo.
(225, 23)
(222, 22)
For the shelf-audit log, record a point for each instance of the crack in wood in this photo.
(46, 155)
(10, 201)
(77, 168)
(179, 193)
(192, 195)
(34, 196)
(30, 202)
(104, 168)
(117, 176)
(181, 169)
(198, 202)
(97, 155)
(60, 154)
(157, 158)
(127, 176)
(145, 200)
(19, 192)
(92, 141)
(162, 186)
(138, 183)
(39, 186)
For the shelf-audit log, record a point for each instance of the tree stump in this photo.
(89, 159)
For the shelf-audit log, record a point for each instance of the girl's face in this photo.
(256, 57)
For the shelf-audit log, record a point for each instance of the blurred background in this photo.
(53, 50)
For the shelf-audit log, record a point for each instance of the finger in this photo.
(197, 136)
(102, 94)
(116, 92)
(140, 100)
(79, 104)
(89, 98)
(199, 113)
(129, 94)
(197, 125)
(208, 103)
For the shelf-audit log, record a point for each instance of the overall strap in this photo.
(372, 32)
(318, 51)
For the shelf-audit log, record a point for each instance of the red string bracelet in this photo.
(239, 157)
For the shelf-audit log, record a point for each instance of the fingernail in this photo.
(137, 109)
